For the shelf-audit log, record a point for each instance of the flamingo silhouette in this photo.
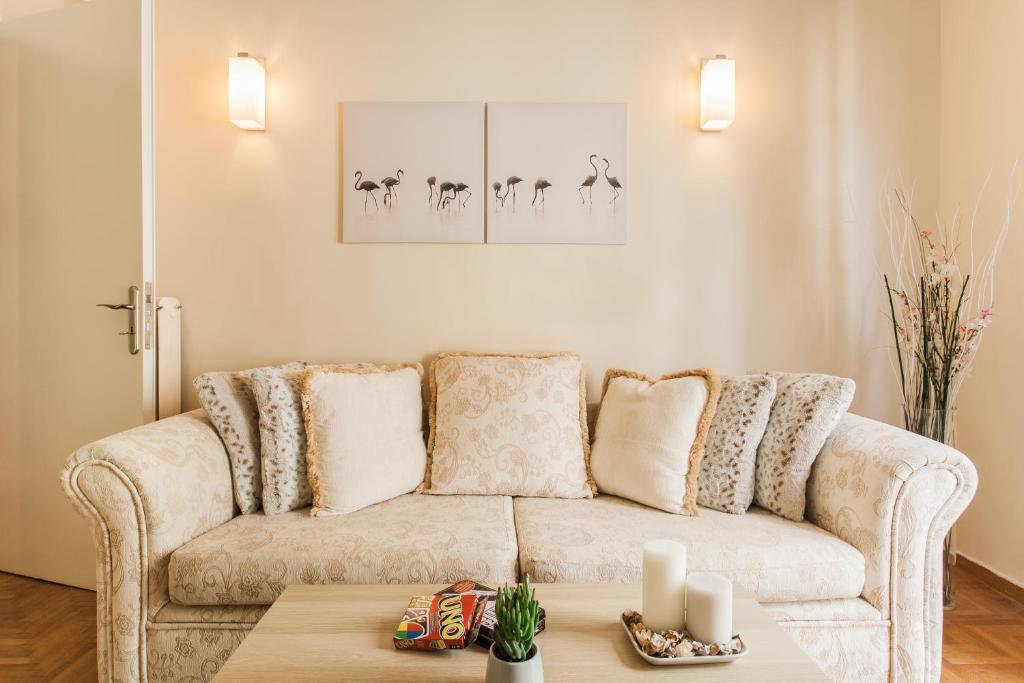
(443, 193)
(612, 180)
(588, 182)
(539, 186)
(389, 184)
(430, 181)
(497, 197)
(459, 189)
(511, 183)
(367, 186)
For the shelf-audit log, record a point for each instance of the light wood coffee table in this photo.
(343, 633)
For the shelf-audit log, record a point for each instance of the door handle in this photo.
(133, 309)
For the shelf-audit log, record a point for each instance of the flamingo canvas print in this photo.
(412, 171)
(556, 173)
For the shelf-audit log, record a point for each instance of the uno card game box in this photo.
(470, 587)
(445, 621)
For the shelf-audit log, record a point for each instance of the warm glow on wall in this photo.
(717, 93)
(247, 92)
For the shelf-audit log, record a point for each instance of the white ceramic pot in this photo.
(500, 671)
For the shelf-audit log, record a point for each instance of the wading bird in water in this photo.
(539, 186)
(499, 200)
(367, 186)
(389, 184)
(442, 195)
(430, 182)
(459, 189)
(588, 182)
(510, 184)
(612, 180)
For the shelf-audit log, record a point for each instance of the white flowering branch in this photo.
(937, 310)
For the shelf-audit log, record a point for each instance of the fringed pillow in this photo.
(650, 436)
(507, 424)
(364, 429)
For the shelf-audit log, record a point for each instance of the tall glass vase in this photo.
(939, 424)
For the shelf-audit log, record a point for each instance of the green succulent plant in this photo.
(516, 610)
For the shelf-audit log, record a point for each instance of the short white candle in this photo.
(664, 579)
(709, 607)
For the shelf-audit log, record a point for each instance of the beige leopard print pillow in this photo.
(228, 400)
(726, 477)
(278, 395)
(806, 410)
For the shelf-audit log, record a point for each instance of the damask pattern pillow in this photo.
(727, 473)
(506, 424)
(228, 400)
(650, 436)
(364, 428)
(807, 408)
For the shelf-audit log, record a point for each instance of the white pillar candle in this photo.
(709, 607)
(664, 585)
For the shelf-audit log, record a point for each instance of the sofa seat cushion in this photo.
(410, 539)
(767, 557)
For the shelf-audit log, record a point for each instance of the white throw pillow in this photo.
(650, 436)
(364, 429)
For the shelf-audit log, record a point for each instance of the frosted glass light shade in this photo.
(717, 93)
(247, 92)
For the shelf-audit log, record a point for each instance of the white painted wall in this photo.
(983, 135)
(745, 251)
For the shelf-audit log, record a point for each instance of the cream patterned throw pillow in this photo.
(506, 424)
(228, 399)
(650, 436)
(364, 429)
(726, 480)
(806, 410)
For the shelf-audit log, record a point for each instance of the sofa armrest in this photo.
(146, 492)
(894, 495)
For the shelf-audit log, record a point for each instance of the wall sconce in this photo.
(717, 93)
(247, 92)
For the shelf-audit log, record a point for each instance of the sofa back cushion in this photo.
(364, 428)
(228, 400)
(509, 424)
(650, 436)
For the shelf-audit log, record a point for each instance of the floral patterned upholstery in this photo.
(414, 538)
(894, 495)
(889, 494)
(146, 491)
(601, 540)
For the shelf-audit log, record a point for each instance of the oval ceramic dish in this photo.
(674, 661)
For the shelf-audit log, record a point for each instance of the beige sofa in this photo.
(183, 578)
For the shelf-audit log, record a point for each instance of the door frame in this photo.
(148, 286)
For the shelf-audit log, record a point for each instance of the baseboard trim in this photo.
(990, 578)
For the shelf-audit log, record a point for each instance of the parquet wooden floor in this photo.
(48, 633)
